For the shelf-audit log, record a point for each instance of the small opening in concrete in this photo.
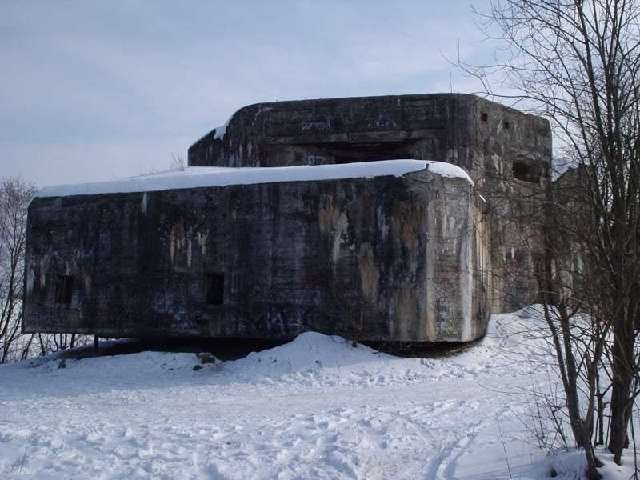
(484, 117)
(64, 289)
(526, 172)
(372, 157)
(214, 288)
(345, 152)
(506, 125)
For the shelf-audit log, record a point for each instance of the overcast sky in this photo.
(93, 90)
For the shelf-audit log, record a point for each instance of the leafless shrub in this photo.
(15, 196)
(577, 63)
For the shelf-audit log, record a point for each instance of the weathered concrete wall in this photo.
(383, 259)
(312, 132)
(506, 152)
(572, 269)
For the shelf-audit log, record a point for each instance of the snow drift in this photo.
(318, 407)
(194, 177)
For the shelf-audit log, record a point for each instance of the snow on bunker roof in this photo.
(194, 177)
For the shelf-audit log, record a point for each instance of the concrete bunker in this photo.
(351, 237)
(392, 257)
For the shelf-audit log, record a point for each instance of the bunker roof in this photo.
(195, 177)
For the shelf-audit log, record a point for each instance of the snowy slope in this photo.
(193, 177)
(316, 408)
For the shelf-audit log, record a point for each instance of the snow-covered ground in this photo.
(316, 408)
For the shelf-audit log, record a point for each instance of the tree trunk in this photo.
(621, 398)
(600, 409)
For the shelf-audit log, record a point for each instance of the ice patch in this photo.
(220, 131)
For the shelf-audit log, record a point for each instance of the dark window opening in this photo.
(372, 157)
(214, 288)
(344, 152)
(64, 289)
(507, 125)
(484, 117)
(526, 172)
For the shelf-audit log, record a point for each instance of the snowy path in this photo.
(315, 408)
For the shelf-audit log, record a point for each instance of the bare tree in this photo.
(177, 162)
(15, 196)
(578, 63)
(579, 341)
